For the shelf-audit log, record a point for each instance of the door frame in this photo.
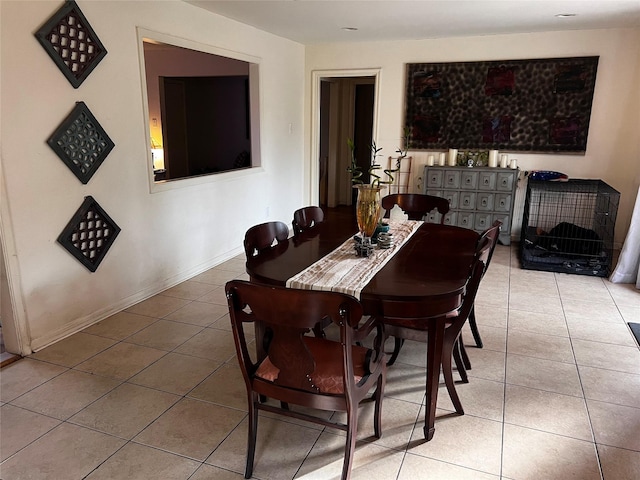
(314, 158)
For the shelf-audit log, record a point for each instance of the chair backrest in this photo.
(261, 237)
(289, 314)
(491, 234)
(416, 205)
(305, 218)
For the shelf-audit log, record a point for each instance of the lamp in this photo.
(157, 155)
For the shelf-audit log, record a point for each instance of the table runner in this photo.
(342, 271)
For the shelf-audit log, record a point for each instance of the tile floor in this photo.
(155, 392)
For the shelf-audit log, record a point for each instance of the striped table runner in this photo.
(342, 271)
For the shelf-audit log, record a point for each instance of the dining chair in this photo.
(303, 370)
(492, 233)
(415, 327)
(305, 218)
(261, 237)
(416, 205)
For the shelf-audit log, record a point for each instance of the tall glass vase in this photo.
(368, 214)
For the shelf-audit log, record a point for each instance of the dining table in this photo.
(424, 280)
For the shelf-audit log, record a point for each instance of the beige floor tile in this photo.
(630, 313)
(158, 306)
(466, 441)
(624, 293)
(236, 264)
(176, 373)
(480, 398)
(489, 294)
(209, 472)
(533, 278)
(546, 288)
(224, 387)
(125, 411)
(605, 332)
(121, 361)
(21, 427)
(210, 343)
(490, 316)
(68, 451)
(539, 346)
(281, 448)
(216, 296)
(486, 364)
(189, 290)
(543, 374)
(191, 428)
(547, 411)
(218, 276)
(593, 291)
(74, 349)
(66, 394)
(615, 425)
(493, 338)
(25, 374)
(370, 461)
(415, 467)
(538, 323)
(412, 353)
(140, 462)
(535, 455)
(406, 382)
(605, 355)
(577, 310)
(164, 335)
(618, 463)
(610, 386)
(199, 313)
(325, 414)
(529, 302)
(120, 325)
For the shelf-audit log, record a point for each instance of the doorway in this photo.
(344, 105)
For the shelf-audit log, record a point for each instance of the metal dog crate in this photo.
(568, 227)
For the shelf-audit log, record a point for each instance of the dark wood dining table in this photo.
(426, 278)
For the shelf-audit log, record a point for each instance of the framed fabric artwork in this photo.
(537, 105)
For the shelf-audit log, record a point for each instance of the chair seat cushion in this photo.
(327, 375)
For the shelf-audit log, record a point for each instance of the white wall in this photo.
(613, 148)
(166, 236)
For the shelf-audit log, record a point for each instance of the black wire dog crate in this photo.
(568, 226)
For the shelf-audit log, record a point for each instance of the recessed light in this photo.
(566, 15)
(350, 29)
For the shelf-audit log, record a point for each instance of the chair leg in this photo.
(447, 371)
(252, 432)
(398, 343)
(350, 446)
(474, 327)
(457, 357)
(377, 416)
(463, 352)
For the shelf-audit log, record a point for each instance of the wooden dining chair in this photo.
(416, 205)
(415, 327)
(261, 237)
(304, 370)
(492, 233)
(305, 218)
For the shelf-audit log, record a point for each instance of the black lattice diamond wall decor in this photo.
(89, 234)
(81, 142)
(71, 43)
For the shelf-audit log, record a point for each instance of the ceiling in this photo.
(316, 22)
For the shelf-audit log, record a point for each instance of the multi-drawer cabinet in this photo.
(477, 196)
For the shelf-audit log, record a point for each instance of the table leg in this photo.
(434, 362)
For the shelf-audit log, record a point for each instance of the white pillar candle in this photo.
(504, 160)
(513, 163)
(453, 157)
(430, 160)
(493, 158)
(442, 159)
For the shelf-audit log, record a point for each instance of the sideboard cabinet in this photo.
(477, 196)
